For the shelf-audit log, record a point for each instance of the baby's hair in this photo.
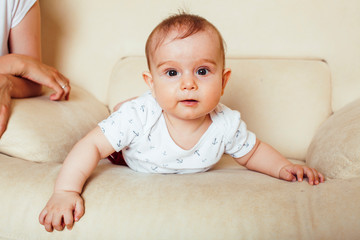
(186, 25)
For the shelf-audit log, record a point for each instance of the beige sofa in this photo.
(296, 81)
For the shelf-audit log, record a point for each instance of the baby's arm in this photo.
(66, 204)
(265, 159)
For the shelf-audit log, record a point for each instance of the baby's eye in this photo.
(202, 71)
(172, 73)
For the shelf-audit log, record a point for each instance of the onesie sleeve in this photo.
(19, 9)
(123, 126)
(238, 139)
(129, 123)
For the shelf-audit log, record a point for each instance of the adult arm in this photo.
(21, 72)
(25, 64)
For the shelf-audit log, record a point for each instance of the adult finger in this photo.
(4, 118)
(62, 90)
(57, 82)
(65, 85)
(58, 90)
(67, 90)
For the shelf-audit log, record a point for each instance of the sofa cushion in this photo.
(44, 131)
(283, 101)
(335, 150)
(227, 202)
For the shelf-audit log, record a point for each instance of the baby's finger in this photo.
(69, 220)
(79, 209)
(316, 176)
(42, 216)
(48, 222)
(57, 222)
(284, 174)
(300, 174)
(322, 178)
(310, 175)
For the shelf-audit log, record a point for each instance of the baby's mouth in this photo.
(189, 102)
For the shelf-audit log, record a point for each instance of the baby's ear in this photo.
(148, 79)
(225, 78)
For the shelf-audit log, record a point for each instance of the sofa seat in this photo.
(228, 202)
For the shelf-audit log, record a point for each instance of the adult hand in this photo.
(32, 69)
(5, 101)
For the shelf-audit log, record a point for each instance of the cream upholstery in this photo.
(294, 62)
(335, 148)
(49, 133)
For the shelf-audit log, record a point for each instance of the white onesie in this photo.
(139, 129)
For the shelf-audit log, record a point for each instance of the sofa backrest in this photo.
(84, 39)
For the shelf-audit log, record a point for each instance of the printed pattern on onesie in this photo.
(139, 129)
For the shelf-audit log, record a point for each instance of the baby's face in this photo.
(187, 76)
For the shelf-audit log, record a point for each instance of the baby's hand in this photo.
(292, 172)
(62, 210)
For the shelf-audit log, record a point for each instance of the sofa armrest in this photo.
(335, 149)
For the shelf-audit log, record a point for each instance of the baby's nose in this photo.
(188, 83)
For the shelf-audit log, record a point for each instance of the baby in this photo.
(177, 127)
